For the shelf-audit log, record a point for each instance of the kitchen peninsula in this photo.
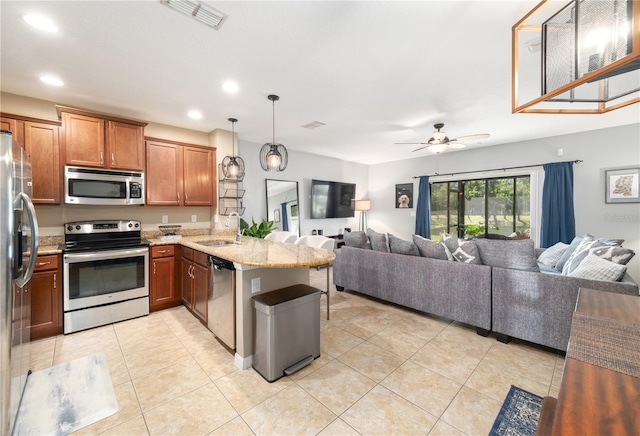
(259, 264)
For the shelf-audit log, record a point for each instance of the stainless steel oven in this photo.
(105, 277)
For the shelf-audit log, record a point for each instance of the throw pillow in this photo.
(593, 267)
(569, 251)
(400, 246)
(462, 251)
(515, 254)
(379, 241)
(552, 255)
(356, 239)
(589, 245)
(429, 248)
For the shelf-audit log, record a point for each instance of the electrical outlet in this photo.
(255, 285)
(165, 219)
(194, 218)
(216, 218)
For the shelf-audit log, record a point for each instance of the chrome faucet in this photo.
(238, 234)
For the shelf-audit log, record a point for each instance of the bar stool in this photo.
(319, 241)
(281, 236)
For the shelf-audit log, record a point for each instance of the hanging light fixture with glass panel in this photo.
(583, 58)
(233, 166)
(273, 156)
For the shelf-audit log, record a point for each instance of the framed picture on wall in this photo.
(622, 185)
(404, 196)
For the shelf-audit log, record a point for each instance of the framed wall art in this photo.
(404, 196)
(622, 185)
(276, 215)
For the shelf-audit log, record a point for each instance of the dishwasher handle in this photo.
(219, 264)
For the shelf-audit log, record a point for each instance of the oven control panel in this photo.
(88, 227)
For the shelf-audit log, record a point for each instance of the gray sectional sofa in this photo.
(507, 296)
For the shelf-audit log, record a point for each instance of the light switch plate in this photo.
(194, 218)
(255, 285)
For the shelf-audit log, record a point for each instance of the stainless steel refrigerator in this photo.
(19, 245)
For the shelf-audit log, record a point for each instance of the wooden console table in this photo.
(595, 400)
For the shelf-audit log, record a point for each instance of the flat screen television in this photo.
(331, 199)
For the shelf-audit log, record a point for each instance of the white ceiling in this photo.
(375, 72)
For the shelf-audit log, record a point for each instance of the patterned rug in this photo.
(519, 414)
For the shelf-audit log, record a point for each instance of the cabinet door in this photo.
(41, 141)
(164, 174)
(199, 176)
(162, 290)
(187, 283)
(46, 304)
(201, 291)
(125, 146)
(84, 140)
(16, 128)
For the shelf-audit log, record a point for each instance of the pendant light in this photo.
(233, 166)
(274, 157)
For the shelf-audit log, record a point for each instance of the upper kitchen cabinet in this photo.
(180, 174)
(16, 127)
(102, 141)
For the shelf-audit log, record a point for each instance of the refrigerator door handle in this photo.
(33, 222)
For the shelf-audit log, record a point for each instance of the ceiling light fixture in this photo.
(51, 80)
(40, 22)
(195, 114)
(199, 11)
(274, 157)
(233, 166)
(231, 87)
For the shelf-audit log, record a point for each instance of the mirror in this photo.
(282, 205)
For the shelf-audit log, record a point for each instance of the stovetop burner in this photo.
(102, 235)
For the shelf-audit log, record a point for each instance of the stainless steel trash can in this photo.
(287, 330)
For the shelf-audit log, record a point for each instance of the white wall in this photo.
(302, 168)
(599, 149)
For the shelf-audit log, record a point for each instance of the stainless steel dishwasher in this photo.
(222, 301)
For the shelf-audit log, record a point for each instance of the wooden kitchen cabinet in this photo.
(179, 174)
(46, 297)
(15, 126)
(41, 141)
(162, 284)
(101, 141)
(195, 282)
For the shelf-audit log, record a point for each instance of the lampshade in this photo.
(233, 166)
(273, 156)
(362, 205)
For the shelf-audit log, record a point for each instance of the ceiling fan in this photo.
(439, 140)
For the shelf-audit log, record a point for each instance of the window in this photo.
(470, 208)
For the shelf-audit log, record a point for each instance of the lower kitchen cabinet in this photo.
(195, 278)
(164, 272)
(46, 297)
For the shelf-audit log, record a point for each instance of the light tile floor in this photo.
(383, 370)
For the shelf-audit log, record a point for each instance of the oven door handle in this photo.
(104, 255)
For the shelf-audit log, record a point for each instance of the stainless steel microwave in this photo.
(99, 186)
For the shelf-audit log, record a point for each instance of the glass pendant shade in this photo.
(273, 156)
(233, 166)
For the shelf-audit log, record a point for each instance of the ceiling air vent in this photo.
(313, 125)
(201, 12)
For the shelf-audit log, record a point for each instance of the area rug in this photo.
(519, 414)
(66, 397)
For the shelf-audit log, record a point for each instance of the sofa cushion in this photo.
(400, 246)
(356, 239)
(379, 241)
(552, 255)
(515, 254)
(429, 248)
(590, 245)
(569, 251)
(548, 269)
(462, 251)
(594, 267)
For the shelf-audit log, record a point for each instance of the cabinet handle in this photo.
(101, 157)
(113, 159)
(154, 267)
(178, 194)
(55, 280)
(186, 197)
(43, 263)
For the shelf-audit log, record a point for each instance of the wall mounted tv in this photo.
(331, 199)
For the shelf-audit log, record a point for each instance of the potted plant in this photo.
(256, 230)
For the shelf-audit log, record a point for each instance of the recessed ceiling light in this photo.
(51, 80)
(195, 114)
(230, 86)
(40, 22)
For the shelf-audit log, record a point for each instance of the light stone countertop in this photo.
(44, 250)
(257, 252)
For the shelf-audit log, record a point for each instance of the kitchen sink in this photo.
(214, 243)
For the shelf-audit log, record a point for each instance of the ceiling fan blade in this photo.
(413, 143)
(418, 149)
(471, 137)
(456, 145)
